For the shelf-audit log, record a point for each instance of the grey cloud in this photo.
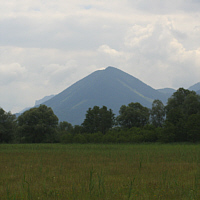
(166, 7)
(72, 33)
(159, 54)
(46, 47)
(11, 73)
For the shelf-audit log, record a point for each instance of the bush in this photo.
(94, 137)
(80, 138)
(122, 139)
(67, 138)
(108, 138)
(149, 135)
(167, 134)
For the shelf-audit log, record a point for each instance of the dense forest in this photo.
(177, 121)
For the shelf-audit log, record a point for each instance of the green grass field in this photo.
(55, 171)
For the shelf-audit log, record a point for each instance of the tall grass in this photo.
(55, 171)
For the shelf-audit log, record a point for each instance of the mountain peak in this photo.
(109, 87)
(110, 67)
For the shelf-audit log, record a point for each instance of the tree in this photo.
(37, 125)
(180, 107)
(183, 101)
(191, 104)
(7, 126)
(193, 128)
(98, 119)
(133, 115)
(65, 127)
(157, 113)
(167, 133)
(77, 129)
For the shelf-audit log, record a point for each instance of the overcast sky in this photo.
(47, 45)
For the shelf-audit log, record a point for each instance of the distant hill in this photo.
(167, 90)
(22, 111)
(110, 87)
(195, 87)
(38, 102)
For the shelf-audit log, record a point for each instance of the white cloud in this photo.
(106, 49)
(137, 34)
(10, 73)
(47, 46)
(166, 7)
(160, 54)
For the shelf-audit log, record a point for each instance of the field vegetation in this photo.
(100, 171)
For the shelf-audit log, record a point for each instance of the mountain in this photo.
(22, 111)
(40, 101)
(110, 87)
(37, 103)
(195, 87)
(169, 91)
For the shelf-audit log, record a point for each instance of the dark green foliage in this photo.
(37, 125)
(67, 138)
(65, 130)
(180, 107)
(193, 128)
(79, 138)
(65, 127)
(114, 136)
(182, 104)
(94, 137)
(133, 115)
(157, 113)
(109, 139)
(167, 133)
(191, 104)
(7, 126)
(77, 129)
(98, 120)
(145, 134)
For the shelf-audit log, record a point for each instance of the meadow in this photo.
(98, 171)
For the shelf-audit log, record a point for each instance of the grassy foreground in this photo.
(55, 171)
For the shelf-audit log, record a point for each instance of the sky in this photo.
(46, 46)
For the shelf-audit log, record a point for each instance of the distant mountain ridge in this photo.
(195, 87)
(167, 90)
(110, 87)
(46, 98)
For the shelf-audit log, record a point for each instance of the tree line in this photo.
(177, 121)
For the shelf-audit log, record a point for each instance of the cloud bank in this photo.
(45, 46)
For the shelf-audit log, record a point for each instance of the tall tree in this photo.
(65, 127)
(133, 115)
(157, 113)
(193, 128)
(180, 107)
(7, 126)
(37, 125)
(98, 119)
